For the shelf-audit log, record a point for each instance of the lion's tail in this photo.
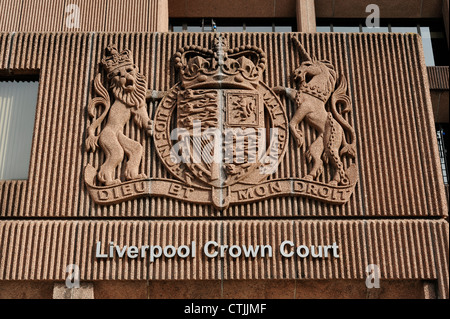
(103, 99)
(340, 97)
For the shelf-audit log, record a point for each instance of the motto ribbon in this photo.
(220, 198)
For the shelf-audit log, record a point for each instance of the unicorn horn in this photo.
(304, 56)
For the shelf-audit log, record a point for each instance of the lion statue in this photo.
(315, 81)
(129, 89)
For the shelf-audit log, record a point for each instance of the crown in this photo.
(220, 67)
(113, 59)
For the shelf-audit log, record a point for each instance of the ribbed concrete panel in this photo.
(127, 16)
(92, 15)
(11, 203)
(120, 233)
(438, 77)
(99, 15)
(28, 52)
(36, 250)
(41, 250)
(139, 233)
(397, 146)
(348, 236)
(55, 166)
(429, 150)
(399, 173)
(440, 235)
(42, 15)
(408, 249)
(5, 44)
(257, 234)
(403, 249)
(183, 233)
(10, 15)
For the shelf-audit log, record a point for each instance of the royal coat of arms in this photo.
(220, 131)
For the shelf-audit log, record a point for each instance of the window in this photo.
(433, 41)
(17, 111)
(376, 30)
(232, 25)
(344, 29)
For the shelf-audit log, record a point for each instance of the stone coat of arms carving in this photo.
(129, 88)
(220, 131)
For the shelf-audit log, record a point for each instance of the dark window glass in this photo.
(325, 28)
(230, 28)
(232, 25)
(283, 28)
(193, 28)
(431, 31)
(427, 46)
(17, 111)
(177, 28)
(404, 29)
(345, 29)
(251, 28)
(375, 30)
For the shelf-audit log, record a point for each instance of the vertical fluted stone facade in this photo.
(396, 216)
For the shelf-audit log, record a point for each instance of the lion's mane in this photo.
(134, 98)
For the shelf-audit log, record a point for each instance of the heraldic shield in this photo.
(222, 120)
(226, 133)
(221, 132)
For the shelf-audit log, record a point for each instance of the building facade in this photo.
(245, 149)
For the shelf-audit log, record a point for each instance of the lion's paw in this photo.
(106, 178)
(113, 182)
(319, 171)
(131, 174)
(116, 181)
